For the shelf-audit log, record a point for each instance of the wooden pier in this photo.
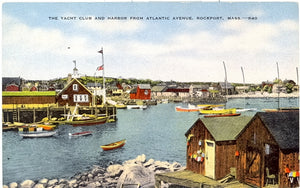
(31, 114)
(186, 178)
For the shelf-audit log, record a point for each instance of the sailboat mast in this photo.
(225, 80)
(244, 86)
(104, 90)
(278, 83)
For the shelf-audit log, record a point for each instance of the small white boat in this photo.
(245, 109)
(37, 134)
(136, 106)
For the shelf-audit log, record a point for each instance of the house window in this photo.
(81, 98)
(75, 87)
(64, 97)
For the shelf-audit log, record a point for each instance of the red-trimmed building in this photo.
(142, 91)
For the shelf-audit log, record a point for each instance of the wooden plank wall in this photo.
(225, 158)
(28, 99)
(252, 142)
(200, 133)
(288, 159)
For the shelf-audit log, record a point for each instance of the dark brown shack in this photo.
(34, 97)
(211, 145)
(73, 93)
(269, 141)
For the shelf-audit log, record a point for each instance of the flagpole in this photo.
(104, 91)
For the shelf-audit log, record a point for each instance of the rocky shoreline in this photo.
(136, 171)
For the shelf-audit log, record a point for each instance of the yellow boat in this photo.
(219, 111)
(209, 106)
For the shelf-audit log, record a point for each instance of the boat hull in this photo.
(113, 145)
(85, 133)
(222, 111)
(37, 134)
(222, 115)
(180, 109)
(87, 122)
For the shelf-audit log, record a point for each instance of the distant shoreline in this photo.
(265, 95)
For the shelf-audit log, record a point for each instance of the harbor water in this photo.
(158, 132)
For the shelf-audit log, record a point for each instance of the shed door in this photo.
(210, 159)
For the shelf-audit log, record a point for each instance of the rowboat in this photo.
(87, 122)
(37, 134)
(222, 115)
(114, 145)
(219, 111)
(84, 133)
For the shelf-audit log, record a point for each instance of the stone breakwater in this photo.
(135, 171)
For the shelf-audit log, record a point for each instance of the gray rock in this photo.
(136, 174)
(114, 170)
(140, 158)
(5, 186)
(149, 163)
(13, 185)
(27, 184)
(72, 182)
(61, 186)
(52, 182)
(40, 185)
(44, 181)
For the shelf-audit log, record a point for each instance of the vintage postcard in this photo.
(150, 94)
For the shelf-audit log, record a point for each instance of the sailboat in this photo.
(245, 109)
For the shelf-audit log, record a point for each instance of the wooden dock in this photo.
(32, 114)
(186, 178)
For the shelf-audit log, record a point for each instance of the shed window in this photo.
(81, 98)
(75, 87)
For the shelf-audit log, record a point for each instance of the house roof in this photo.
(284, 126)
(70, 83)
(224, 129)
(11, 80)
(158, 88)
(227, 86)
(144, 86)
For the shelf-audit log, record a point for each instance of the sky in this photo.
(186, 42)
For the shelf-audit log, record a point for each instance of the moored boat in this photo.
(114, 145)
(136, 107)
(222, 115)
(87, 122)
(218, 111)
(190, 108)
(84, 133)
(37, 134)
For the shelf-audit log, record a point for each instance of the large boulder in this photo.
(27, 184)
(140, 158)
(136, 174)
(13, 185)
(114, 170)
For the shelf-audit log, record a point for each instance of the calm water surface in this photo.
(158, 132)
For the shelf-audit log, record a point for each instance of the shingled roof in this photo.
(284, 126)
(225, 128)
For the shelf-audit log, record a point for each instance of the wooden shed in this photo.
(269, 143)
(74, 92)
(211, 145)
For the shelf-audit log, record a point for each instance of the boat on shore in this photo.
(84, 133)
(222, 115)
(114, 145)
